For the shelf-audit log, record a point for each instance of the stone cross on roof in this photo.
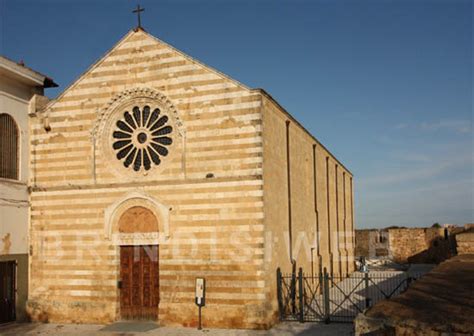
(138, 10)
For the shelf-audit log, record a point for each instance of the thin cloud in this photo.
(412, 174)
(457, 126)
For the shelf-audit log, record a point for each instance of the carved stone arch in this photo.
(131, 94)
(153, 230)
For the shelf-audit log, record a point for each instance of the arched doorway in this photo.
(139, 272)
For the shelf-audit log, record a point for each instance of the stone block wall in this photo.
(465, 242)
(407, 245)
(371, 243)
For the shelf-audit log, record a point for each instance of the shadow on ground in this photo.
(116, 329)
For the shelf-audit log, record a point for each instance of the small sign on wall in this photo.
(200, 292)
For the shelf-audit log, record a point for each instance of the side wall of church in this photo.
(212, 185)
(328, 208)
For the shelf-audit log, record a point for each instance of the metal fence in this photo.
(332, 298)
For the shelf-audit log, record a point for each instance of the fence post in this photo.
(293, 290)
(301, 294)
(321, 283)
(366, 281)
(327, 317)
(279, 293)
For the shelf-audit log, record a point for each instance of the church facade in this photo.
(152, 170)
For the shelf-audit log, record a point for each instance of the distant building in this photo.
(21, 92)
(449, 226)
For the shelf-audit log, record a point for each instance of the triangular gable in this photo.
(130, 35)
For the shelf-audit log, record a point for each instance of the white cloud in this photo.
(428, 168)
(458, 126)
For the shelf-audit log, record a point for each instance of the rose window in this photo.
(142, 137)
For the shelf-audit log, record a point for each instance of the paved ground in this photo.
(283, 329)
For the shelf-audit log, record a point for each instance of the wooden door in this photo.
(139, 292)
(7, 291)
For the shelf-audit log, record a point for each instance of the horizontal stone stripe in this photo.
(125, 67)
(93, 249)
(193, 83)
(84, 98)
(193, 164)
(220, 138)
(91, 264)
(100, 249)
(250, 116)
(127, 48)
(96, 276)
(40, 216)
(68, 297)
(85, 174)
(74, 283)
(84, 179)
(146, 57)
(172, 294)
(219, 210)
(70, 136)
(75, 113)
(202, 231)
(72, 142)
(211, 204)
(54, 151)
(70, 266)
(58, 222)
(84, 140)
(46, 224)
(176, 237)
(176, 183)
(152, 80)
(221, 302)
(151, 70)
(195, 194)
(211, 276)
(225, 123)
(221, 222)
(217, 291)
(218, 130)
(203, 113)
(212, 267)
(209, 153)
(194, 189)
(236, 99)
(234, 215)
(216, 197)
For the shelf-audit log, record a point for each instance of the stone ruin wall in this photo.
(465, 242)
(407, 245)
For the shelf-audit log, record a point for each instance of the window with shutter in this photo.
(8, 147)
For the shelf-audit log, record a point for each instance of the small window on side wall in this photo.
(8, 147)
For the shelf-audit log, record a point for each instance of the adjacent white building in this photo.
(21, 93)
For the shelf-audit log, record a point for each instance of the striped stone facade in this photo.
(221, 197)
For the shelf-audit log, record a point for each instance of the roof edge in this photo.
(290, 116)
(26, 73)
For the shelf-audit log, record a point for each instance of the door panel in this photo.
(7, 291)
(139, 293)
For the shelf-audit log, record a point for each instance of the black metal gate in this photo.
(7, 291)
(331, 298)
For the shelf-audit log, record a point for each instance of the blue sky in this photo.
(385, 85)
